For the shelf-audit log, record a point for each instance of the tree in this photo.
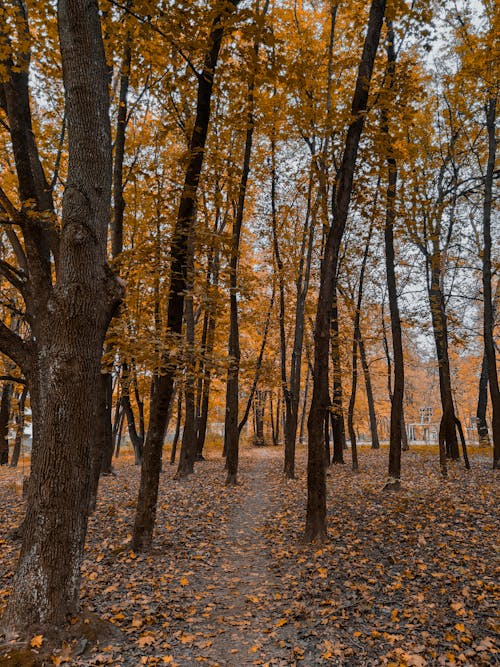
(316, 486)
(180, 244)
(70, 294)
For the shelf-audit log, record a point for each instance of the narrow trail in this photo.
(240, 601)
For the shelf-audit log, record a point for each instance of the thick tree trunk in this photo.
(4, 422)
(150, 472)
(316, 475)
(69, 328)
(488, 310)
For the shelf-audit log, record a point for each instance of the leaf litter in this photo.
(407, 578)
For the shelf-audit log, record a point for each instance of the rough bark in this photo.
(69, 320)
(316, 474)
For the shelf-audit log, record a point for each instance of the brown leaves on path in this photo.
(407, 578)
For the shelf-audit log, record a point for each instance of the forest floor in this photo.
(407, 578)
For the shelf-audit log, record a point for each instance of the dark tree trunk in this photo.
(292, 414)
(183, 232)
(136, 437)
(189, 441)
(369, 394)
(258, 367)
(440, 330)
(18, 442)
(337, 409)
(259, 418)
(69, 320)
(4, 422)
(357, 340)
(231, 432)
(304, 406)
(482, 405)
(177, 432)
(488, 310)
(397, 396)
(107, 443)
(316, 474)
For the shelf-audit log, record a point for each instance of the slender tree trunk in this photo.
(4, 422)
(259, 440)
(183, 232)
(304, 406)
(482, 405)
(292, 414)
(369, 394)
(18, 442)
(189, 441)
(107, 445)
(231, 432)
(337, 410)
(394, 481)
(489, 343)
(316, 474)
(440, 330)
(177, 428)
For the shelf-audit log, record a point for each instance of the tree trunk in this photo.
(337, 410)
(482, 405)
(304, 406)
(316, 475)
(231, 432)
(107, 443)
(292, 414)
(397, 396)
(440, 330)
(18, 442)
(369, 394)
(178, 421)
(4, 423)
(183, 232)
(69, 322)
(488, 316)
(189, 441)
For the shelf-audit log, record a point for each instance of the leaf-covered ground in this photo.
(407, 578)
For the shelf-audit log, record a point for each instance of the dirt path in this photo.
(239, 605)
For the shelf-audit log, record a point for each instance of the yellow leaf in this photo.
(36, 641)
(460, 627)
(184, 581)
(281, 622)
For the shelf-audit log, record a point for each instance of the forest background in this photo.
(279, 187)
